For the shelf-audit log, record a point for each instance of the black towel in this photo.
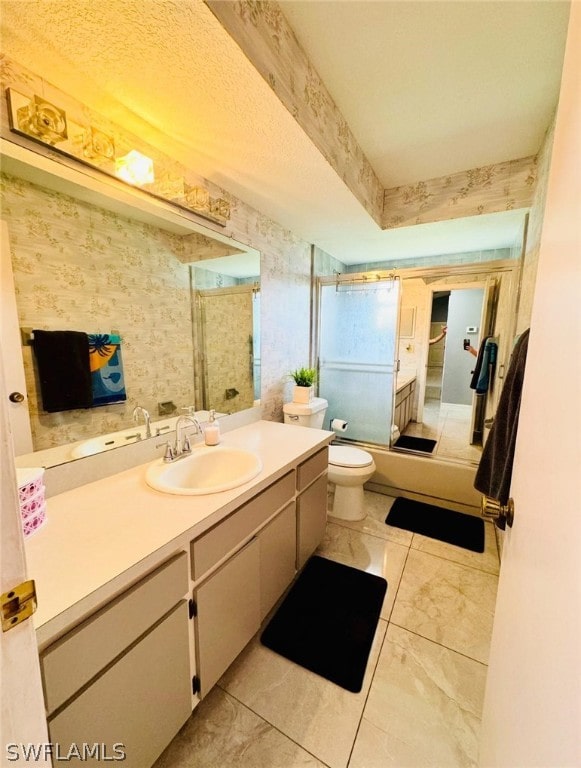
(479, 363)
(64, 372)
(495, 469)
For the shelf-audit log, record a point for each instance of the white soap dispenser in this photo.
(212, 430)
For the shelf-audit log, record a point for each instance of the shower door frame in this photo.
(370, 278)
(501, 266)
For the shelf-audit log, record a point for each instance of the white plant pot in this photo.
(303, 394)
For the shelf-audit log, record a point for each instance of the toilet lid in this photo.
(343, 456)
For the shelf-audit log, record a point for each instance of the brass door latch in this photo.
(501, 514)
(18, 604)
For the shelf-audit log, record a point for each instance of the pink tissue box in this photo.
(31, 497)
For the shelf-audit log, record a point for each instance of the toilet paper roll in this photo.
(338, 425)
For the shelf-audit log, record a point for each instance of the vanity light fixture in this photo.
(197, 198)
(97, 145)
(135, 168)
(34, 117)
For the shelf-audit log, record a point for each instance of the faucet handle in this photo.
(169, 454)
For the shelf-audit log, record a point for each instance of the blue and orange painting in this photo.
(106, 369)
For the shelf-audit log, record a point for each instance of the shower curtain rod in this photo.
(342, 278)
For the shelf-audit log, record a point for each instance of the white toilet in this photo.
(349, 468)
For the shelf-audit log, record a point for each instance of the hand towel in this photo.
(494, 472)
(479, 363)
(487, 367)
(62, 359)
(106, 369)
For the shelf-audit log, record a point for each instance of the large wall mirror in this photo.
(183, 299)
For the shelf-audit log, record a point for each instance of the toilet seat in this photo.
(344, 456)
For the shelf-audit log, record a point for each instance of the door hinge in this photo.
(18, 604)
(196, 687)
(193, 608)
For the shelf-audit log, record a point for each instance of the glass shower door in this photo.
(357, 350)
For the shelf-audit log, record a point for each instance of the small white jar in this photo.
(212, 430)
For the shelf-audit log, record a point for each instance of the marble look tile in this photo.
(368, 553)
(448, 603)
(483, 561)
(319, 716)
(424, 707)
(377, 505)
(223, 733)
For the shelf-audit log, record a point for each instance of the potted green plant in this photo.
(304, 378)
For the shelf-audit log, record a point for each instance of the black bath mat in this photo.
(415, 443)
(438, 523)
(327, 621)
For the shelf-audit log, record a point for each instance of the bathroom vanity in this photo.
(145, 598)
(404, 401)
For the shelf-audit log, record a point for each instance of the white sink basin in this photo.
(104, 443)
(205, 470)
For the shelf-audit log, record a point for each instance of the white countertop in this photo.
(403, 380)
(105, 535)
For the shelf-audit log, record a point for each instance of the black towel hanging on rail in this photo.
(495, 468)
(63, 369)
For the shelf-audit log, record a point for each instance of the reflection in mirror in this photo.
(417, 392)
(227, 332)
(446, 416)
(441, 406)
(77, 266)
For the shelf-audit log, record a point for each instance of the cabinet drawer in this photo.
(78, 656)
(210, 548)
(312, 468)
(140, 702)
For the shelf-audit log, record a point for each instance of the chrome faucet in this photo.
(183, 446)
(139, 411)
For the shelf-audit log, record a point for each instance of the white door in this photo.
(22, 719)
(532, 709)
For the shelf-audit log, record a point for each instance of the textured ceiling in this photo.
(432, 88)
(168, 71)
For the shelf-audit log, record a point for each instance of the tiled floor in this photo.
(449, 424)
(422, 695)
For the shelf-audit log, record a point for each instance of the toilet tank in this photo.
(306, 414)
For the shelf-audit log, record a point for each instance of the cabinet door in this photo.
(228, 606)
(138, 704)
(311, 519)
(397, 418)
(278, 548)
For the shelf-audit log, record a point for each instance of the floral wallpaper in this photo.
(490, 189)
(263, 33)
(78, 267)
(228, 346)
